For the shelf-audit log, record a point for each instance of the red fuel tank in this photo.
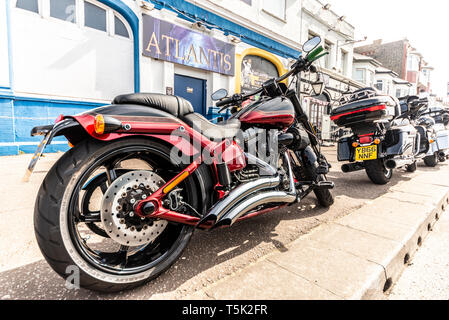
(277, 113)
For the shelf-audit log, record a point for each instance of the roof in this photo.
(363, 58)
(386, 71)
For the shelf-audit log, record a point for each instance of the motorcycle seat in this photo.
(182, 109)
(214, 132)
(174, 105)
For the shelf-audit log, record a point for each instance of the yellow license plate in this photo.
(366, 153)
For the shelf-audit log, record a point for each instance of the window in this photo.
(255, 71)
(398, 93)
(276, 8)
(63, 9)
(120, 28)
(328, 48)
(94, 17)
(371, 78)
(379, 85)
(360, 75)
(248, 2)
(344, 59)
(412, 62)
(30, 5)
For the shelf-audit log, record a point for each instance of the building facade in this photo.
(335, 70)
(67, 56)
(403, 59)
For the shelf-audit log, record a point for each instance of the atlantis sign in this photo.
(169, 42)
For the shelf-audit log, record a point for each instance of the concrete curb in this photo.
(359, 256)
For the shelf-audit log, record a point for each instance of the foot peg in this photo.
(322, 169)
(325, 185)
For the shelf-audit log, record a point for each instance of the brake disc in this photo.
(121, 223)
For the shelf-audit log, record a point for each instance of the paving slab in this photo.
(248, 284)
(357, 256)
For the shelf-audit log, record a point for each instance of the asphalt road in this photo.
(427, 276)
(210, 256)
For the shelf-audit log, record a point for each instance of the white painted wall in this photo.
(62, 59)
(4, 58)
(284, 30)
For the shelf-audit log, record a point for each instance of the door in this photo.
(193, 90)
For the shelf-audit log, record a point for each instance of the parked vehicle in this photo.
(436, 120)
(381, 140)
(144, 172)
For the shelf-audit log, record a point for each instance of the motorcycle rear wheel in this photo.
(377, 172)
(59, 230)
(412, 168)
(431, 161)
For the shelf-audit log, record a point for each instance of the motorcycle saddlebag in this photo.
(369, 109)
(401, 141)
(344, 149)
(443, 140)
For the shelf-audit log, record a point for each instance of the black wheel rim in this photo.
(121, 260)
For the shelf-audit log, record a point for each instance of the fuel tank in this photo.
(277, 113)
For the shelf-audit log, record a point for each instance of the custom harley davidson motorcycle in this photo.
(144, 172)
(384, 136)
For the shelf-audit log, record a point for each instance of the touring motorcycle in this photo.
(436, 120)
(144, 172)
(383, 135)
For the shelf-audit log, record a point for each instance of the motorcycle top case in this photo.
(365, 109)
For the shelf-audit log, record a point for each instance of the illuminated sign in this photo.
(169, 42)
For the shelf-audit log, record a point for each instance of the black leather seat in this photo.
(181, 108)
(176, 106)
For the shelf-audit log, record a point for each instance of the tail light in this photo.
(366, 140)
(370, 109)
(104, 124)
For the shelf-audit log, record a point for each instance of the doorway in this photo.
(192, 89)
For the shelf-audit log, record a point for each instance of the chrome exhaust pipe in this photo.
(246, 206)
(398, 163)
(252, 203)
(236, 196)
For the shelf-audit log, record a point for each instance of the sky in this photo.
(424, 23)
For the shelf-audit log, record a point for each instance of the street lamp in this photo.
(318, 86)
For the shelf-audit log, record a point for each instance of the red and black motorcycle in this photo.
(144, 172)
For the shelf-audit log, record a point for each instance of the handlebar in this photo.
(302, 64)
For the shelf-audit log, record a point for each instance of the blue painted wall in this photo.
(18, 115)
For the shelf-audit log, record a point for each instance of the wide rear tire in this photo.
(377, 172)
(52, 225)
(431, 161)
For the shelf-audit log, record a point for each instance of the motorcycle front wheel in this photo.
(74, 238)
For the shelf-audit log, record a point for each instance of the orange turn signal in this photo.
(377, 141)
(355, 144)
(175, 182)
(432, 141)
(99, 124)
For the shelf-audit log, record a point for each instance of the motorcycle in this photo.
(436, 119)
(146, 171)
(382, 138)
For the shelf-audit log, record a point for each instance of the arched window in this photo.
(120, 27)
(255, 71)
(255, 66)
